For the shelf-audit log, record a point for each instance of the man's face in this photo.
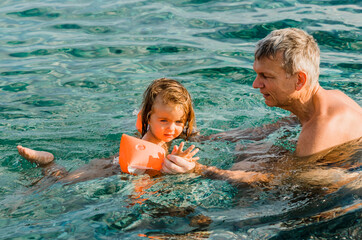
(273, 82)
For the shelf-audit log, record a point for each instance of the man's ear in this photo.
(302, 80)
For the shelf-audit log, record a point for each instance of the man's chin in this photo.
(270, 104)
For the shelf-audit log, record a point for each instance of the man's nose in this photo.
(257, 83)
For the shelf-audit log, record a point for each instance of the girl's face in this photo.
(166, 122)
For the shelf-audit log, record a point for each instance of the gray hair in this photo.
(300, 51)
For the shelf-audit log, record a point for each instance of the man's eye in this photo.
(264, 76)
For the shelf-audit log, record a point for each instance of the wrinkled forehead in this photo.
(270, 64)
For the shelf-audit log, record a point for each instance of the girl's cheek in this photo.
(180, 130)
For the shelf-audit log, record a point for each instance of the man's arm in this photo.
(254, 134)
(238, 177)
(174, 164)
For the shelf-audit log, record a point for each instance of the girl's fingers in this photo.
(195, 159)
(187, 154)
(174, 150)
(180, 148)
(193, 153)
(187, 151)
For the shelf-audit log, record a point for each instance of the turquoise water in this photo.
(72, 75)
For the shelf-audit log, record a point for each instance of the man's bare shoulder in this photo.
(337, 121)
(339, 99)
(338, 110)
(345, 115)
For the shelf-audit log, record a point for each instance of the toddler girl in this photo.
(166, 114)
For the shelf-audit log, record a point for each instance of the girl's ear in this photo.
(148, 117)
(302, 80)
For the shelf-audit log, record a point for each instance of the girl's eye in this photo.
(179, 122)
(163, 120)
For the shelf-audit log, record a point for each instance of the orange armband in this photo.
(136, 153)
(139, 122)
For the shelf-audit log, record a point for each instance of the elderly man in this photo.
(287, 68)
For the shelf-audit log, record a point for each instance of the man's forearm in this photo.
(254, 134)
(235, 177)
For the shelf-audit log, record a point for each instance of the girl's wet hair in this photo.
(172, 93)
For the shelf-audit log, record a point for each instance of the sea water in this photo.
(72, 77)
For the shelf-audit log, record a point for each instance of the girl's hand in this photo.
(187, 154)
(180, 161)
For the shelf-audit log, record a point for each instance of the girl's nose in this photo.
(171, 126)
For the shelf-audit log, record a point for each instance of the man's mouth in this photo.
(265, 95)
